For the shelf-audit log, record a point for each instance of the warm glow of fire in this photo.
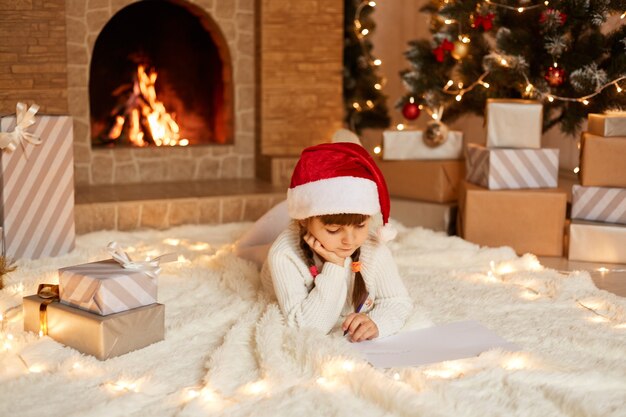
(148, 121)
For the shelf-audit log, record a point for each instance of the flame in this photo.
(148, 120)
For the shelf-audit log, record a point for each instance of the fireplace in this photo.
(227, 134)
(160, 75)
(280, 99)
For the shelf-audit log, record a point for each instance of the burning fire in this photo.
(144, 117)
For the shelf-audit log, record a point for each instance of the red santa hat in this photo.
(335, 178)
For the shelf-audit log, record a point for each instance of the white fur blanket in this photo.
(227, 351)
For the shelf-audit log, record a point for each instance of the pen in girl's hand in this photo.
(358, 310)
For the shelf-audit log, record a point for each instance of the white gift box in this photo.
(38, 189)
(597, 242)
(409, 144)
(507, 169)
(599, 204)
(610, 124)
(514, 123)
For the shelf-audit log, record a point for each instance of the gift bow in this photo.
(149, 267)
(440, 51)
(485, 21)
(50, 294)
(24, 119)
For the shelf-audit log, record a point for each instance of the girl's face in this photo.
(340, 239)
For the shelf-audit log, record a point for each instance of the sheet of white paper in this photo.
(434, 344)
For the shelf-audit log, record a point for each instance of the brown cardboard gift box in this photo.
(527, 220)
(101, 336)
(603, 161)
(434, 181)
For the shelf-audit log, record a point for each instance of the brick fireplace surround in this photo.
(286, 60)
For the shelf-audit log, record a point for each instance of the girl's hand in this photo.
(318, 248)
(360, 327)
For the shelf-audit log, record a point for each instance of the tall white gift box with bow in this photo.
(37, 184)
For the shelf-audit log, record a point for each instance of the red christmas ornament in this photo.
(555, 76)
(410, 111)
(485, 21)
(440, 51)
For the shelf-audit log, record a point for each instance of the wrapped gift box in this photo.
(105, 287)
(38, 190)
(504, 169)
(434, 181)
(611, 124)
(599, 203)
(603, 161)
(408, 144)
(101, 336)
(514, 123)
(597, 242)
(526, 220)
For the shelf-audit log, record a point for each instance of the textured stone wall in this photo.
(235, 19)
(301, 73)
(33, 65)
(165, 213)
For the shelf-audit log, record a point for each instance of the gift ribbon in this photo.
(50, 294)
(24, 119)
(149, 267)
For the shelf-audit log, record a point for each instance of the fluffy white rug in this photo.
(228, 352)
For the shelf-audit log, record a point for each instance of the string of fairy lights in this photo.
(361, 33)
(331, 373)
(337, 372)
(530, 89)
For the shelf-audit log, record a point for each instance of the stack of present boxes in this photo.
(423, 180)
(104, 308)
(597, 231)
(510, 196)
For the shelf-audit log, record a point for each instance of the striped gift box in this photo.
(105, 287)
(599, 203)
(506, 169)
(38, 190)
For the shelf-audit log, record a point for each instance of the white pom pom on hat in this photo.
(335, 178)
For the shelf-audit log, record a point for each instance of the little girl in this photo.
(326, 269)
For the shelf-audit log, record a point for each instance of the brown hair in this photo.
(359, 292)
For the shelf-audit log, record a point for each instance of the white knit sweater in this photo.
(325, 304)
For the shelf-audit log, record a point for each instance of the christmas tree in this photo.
(364, 101)
(552, 51)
